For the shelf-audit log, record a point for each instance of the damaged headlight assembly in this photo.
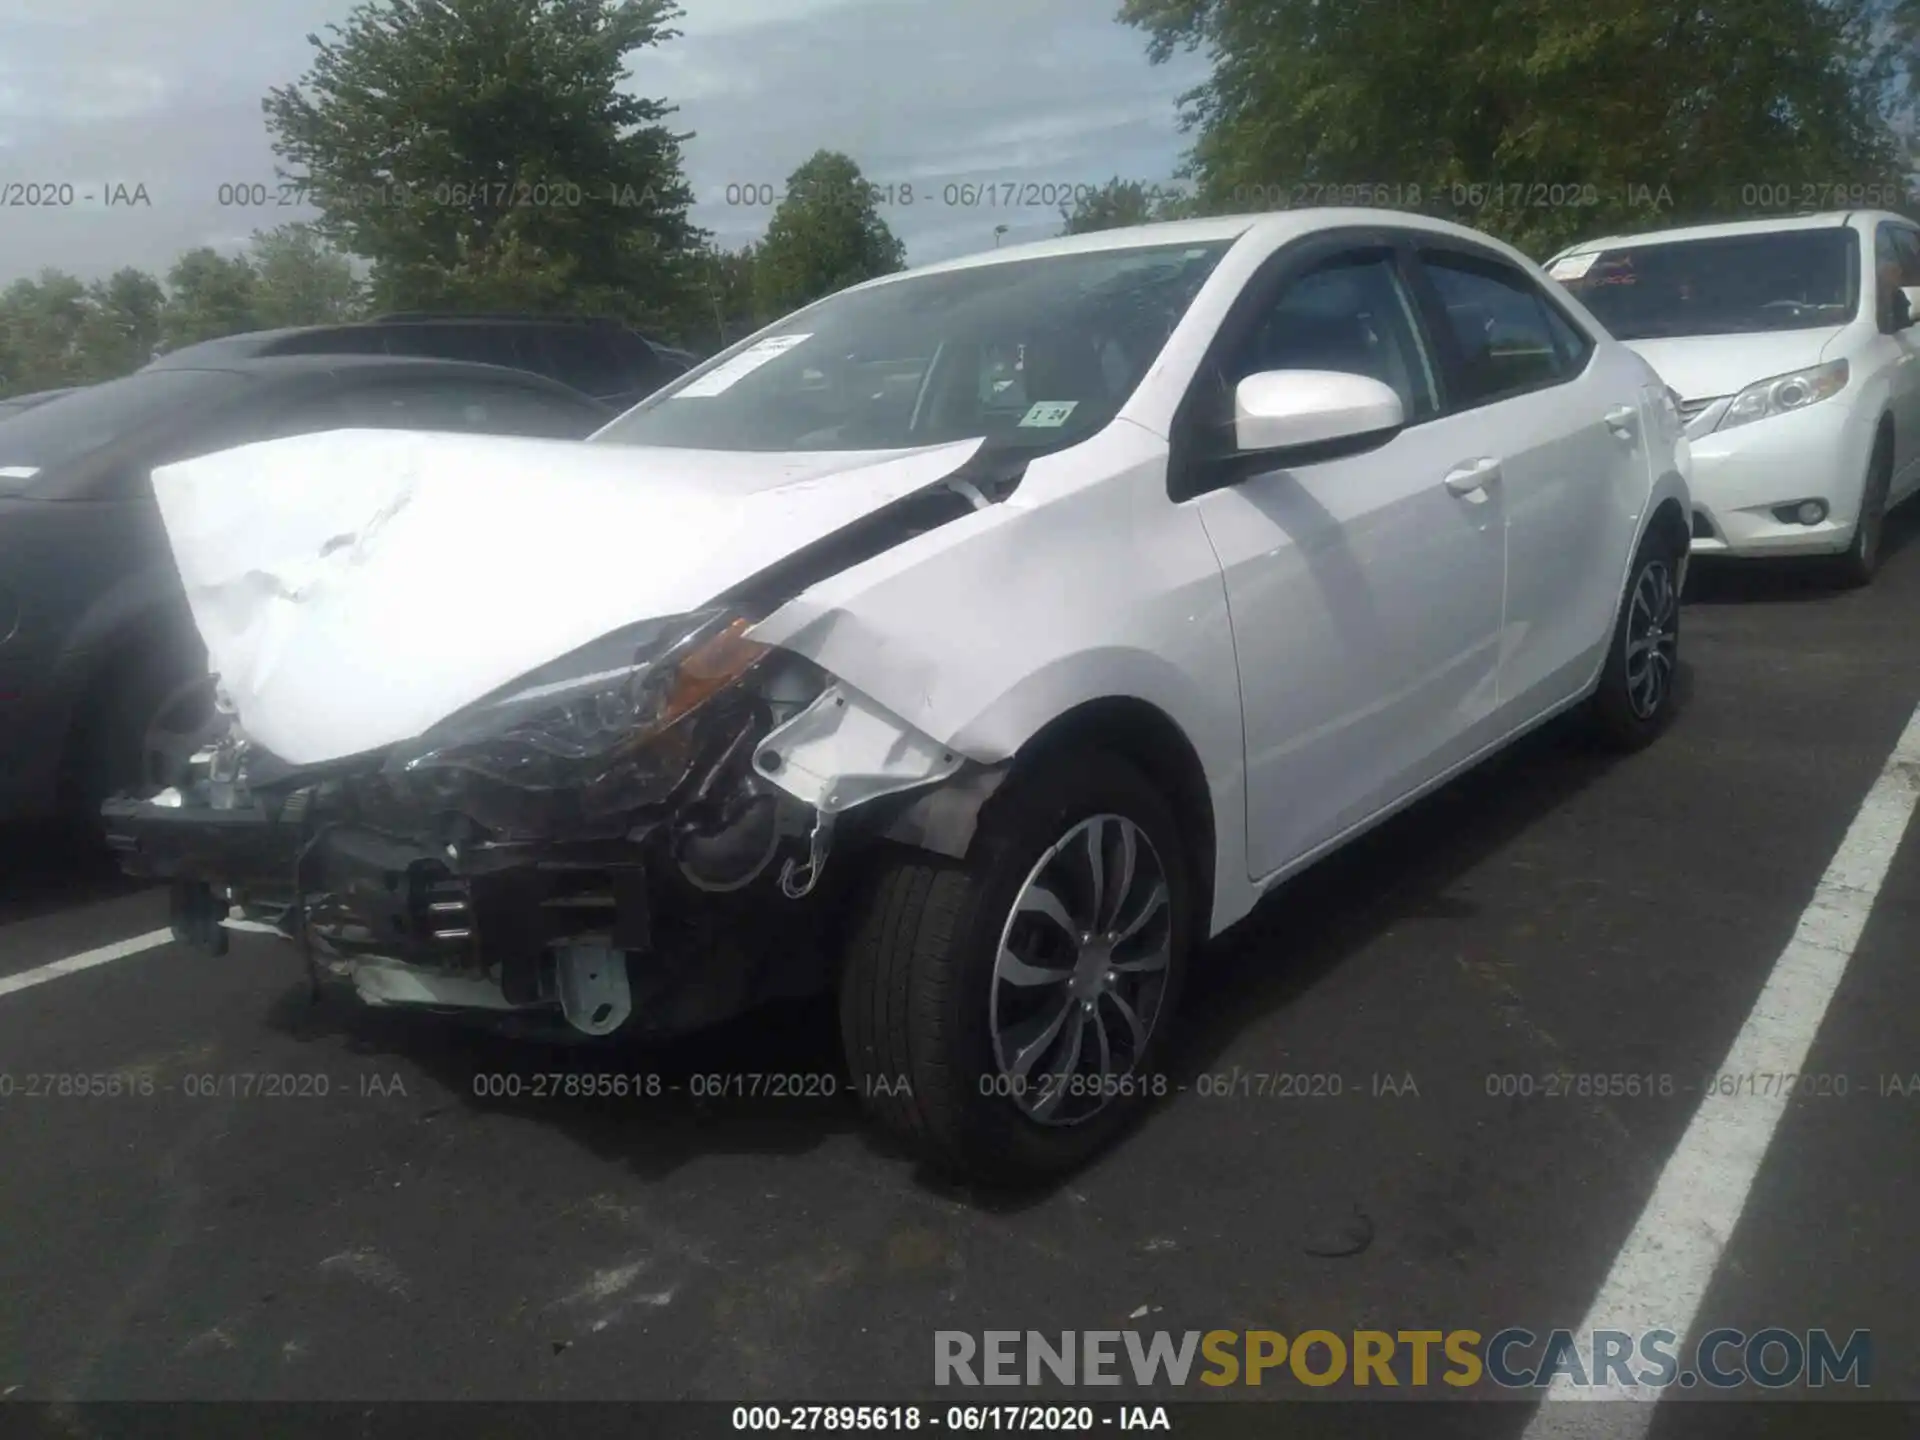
(615, 727)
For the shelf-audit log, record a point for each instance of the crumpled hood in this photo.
(357, 586)
(1703, 367)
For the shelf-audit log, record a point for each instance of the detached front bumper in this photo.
(591, 938)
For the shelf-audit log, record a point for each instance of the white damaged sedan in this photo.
(976, 642)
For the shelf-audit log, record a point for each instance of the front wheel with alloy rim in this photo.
(1004, 1015)
(1636, 695)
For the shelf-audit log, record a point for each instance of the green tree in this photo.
(482, 154)
(1121, 202)
(727, 280)
(1539, 121)
(301, 279)
(825, 235)
(122, 325)
(208, 295)
(41, 321)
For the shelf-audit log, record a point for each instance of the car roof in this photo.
(1777, 225)
(260, 342)
(1268, 227)
(291, 367)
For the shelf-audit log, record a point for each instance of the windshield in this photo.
(1026, 353)
(1728, 285)
(72, 425)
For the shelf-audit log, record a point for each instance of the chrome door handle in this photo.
(1623, 419)
(1472, 476)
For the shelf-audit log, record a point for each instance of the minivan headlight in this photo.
(1785, 393)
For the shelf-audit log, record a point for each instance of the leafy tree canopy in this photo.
(1539, 121)
(1122, 202)
(482, 154)
(209, 295)
(826, 234)
(301, 280)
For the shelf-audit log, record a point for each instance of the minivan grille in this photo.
(1691, 410)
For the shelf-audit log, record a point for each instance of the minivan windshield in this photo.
(98, 415)
(1026, 353)
(1723, 285)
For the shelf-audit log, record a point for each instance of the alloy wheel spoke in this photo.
(1151, 963)
(1028, 1054)
(1013, 970)
(1096, 861)
(1122, 880)
(1099, 1024)
(1056, 1086)
(1037, 899)
(1132, 1017)
(1156, 900)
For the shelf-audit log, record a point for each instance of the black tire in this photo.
(1631, 707)
(1861, 560)
(114, 748)
(920, 970)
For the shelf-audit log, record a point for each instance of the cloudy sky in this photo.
(166, 94)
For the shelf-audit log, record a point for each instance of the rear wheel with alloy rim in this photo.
(1636, 696)
(1004, 1015)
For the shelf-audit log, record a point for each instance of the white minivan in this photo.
(1792, 359)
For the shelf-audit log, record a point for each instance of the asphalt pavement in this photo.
(370, 1226)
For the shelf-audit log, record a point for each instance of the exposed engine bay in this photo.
(637, 836)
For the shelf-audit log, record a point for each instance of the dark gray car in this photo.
(101, 669)
(15, 404)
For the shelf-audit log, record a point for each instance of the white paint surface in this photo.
(357, 586)
(85, 960)
(1662, 1273)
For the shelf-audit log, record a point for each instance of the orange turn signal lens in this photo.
(709, 668)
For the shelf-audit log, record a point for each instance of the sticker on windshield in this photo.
(1050, 413)
(1573, 267)
(18, 472)
(723, 378)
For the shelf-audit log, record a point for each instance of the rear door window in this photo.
(585, 359)
(473, 407)
(1500, 325)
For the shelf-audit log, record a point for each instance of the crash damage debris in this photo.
(637, 835)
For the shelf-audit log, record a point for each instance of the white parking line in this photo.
(1662, 1273)
(85, 960)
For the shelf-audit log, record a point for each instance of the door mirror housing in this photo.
(1910, 315)
(1315, 410)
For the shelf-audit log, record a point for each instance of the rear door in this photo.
(1566, 419)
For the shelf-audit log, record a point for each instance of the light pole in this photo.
(998, 231)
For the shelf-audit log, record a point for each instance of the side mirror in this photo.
(1288, 409)
(1910, 294)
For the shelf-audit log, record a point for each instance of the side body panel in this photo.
(1576, 485)
(1088, 583)
(1366, 603)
